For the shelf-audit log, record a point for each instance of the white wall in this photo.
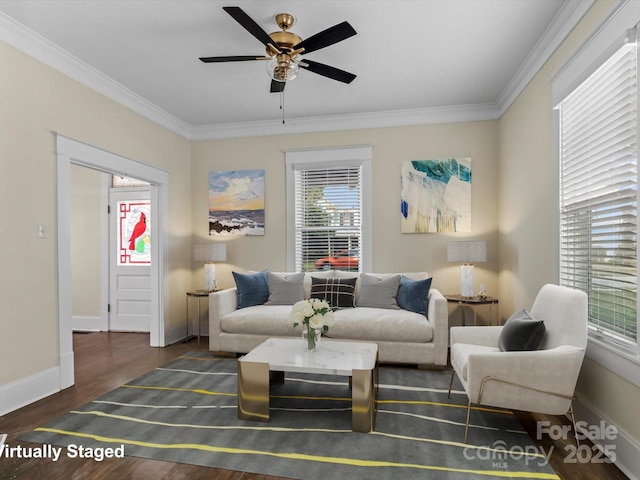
(392, 250)
(86, 233)
(35, 102)
(528, 226)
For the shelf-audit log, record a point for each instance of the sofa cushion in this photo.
(377, 324)
(252, 288)
(460, 353)
(337, 292)
(285, 289)
(378, 292)
(271, 320)
(413, 294)
(521, 332)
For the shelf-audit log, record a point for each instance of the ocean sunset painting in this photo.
(236, 203)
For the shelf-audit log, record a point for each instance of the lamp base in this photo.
(466, 280)
(209, 277)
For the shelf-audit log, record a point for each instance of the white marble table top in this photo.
(331, 357)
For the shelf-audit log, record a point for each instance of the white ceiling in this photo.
(416, 60)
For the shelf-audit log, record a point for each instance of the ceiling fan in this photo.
(284, 48)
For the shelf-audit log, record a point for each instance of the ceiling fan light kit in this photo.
(284, 47)
(282, 68)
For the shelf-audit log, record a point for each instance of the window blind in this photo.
(328, 218)
(598, 194)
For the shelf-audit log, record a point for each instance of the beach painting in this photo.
(236, 203)
(435, 196)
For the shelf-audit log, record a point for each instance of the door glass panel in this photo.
(134, 232)
(118, 181)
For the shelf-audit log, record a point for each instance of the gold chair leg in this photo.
(453, 372)
(466, 427)
(573, 423)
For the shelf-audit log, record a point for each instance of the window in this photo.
(118, 181)
(598, 195)
(328, 205)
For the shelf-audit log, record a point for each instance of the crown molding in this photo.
(29, 42)
(563, 23)
(34, 45)
(397, 118)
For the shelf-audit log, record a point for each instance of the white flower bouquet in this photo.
(316, 317)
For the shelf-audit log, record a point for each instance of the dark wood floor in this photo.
(105, 361)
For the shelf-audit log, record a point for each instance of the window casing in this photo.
(598, 196)
(328, 209)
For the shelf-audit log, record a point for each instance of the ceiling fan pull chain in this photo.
(282, 105)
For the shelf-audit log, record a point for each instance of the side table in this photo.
(198, 295)
(473, 303)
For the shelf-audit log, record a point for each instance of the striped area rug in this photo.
(186, 412)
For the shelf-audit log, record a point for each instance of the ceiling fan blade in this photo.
(230, 58)
(327, 37)
(277, 87)
(328, 71)
(249, 24)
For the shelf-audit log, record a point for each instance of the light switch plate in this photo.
(42, 231)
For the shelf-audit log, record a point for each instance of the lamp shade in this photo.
(210, 252)
(467, 252)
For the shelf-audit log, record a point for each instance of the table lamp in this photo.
(209, 253)
(466, 253)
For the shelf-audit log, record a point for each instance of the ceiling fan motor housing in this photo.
(284, 39)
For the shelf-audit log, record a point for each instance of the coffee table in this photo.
(275, 356)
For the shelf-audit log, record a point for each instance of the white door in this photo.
(129, 260)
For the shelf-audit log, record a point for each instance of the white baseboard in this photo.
(88, 324)
(627, 451)
(176, 333)
(30, 389)
(67, 370)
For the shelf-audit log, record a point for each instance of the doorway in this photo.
(68, 152)
(130, 245)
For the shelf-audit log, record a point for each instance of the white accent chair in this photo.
(540, 381)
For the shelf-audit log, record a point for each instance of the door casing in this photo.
(70, 151)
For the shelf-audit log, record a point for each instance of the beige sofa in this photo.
(403, 336)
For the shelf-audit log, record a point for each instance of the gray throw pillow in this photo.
(285, 289)
(521, 332)
(378, 292)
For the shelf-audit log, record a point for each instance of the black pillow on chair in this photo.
(521, 332)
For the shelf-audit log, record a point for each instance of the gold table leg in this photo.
(254, 379)
(363, 400)
(253, 391)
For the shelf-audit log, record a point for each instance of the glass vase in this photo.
(311, 338)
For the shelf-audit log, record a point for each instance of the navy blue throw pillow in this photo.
(253, 288)
(413, 294)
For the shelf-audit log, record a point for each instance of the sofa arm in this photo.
(438, 316)
(221, 303)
